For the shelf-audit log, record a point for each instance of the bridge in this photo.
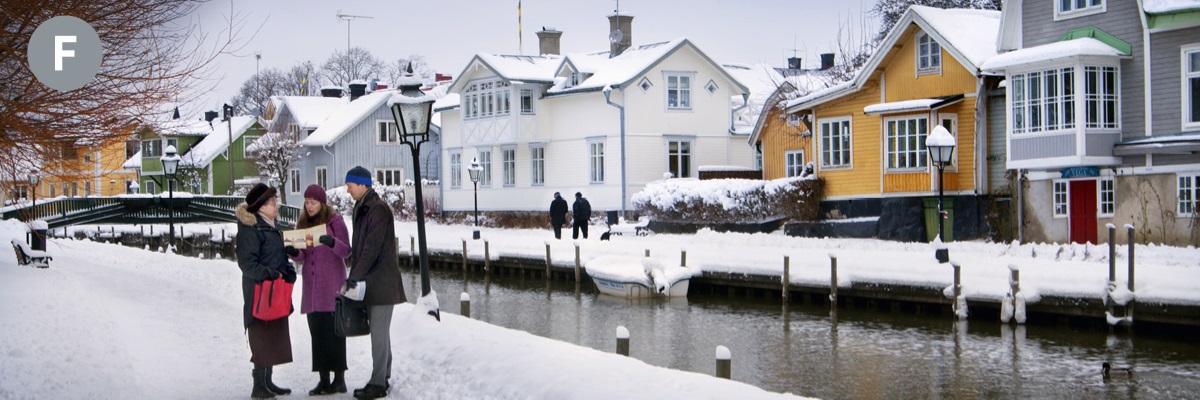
(138, 209)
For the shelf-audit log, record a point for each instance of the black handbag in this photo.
(351, 320)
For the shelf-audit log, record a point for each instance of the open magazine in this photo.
(303, 238)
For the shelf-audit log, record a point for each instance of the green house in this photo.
(206, 163)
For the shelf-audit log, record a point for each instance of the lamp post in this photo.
(228, 111)
(170, 161)
(941, 151)
(33, 182)
(475, 169)
(411, 109)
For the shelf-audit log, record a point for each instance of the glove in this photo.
(326, 240)
(351, 284)
(291, 251)
(289, 275)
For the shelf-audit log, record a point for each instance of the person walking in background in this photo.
(323, 274)
(558, 214)
(373, 260)
(582, 213)
(260, 255)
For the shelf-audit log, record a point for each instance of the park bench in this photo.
(28, 256)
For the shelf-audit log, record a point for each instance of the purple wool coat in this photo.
(324, 269)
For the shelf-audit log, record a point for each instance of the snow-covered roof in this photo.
(184, 127)
(1058, 50)
(310, 111)
(1188, 142)
(450, 101)
(762, 80)
(829, 92)
(535, 69)
(621, 70)
(911, 105)
(134, 162)
(345, 117)
(204, 152)
(1169, 6)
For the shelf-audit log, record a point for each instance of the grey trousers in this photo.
(381, 343)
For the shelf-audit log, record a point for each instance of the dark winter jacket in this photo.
(373, 257)
(582, 211)
(260, 256)
(558, 212)
(324, 268)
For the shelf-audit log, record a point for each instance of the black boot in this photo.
(339, 382)
(260, 390)
(371, 392)
(271, 385)
(322, 386)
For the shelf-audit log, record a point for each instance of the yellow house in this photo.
(868, 134)
(89, 168)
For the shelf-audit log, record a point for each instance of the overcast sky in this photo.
(449, 33)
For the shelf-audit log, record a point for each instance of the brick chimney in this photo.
(548, 41)
(358, 88)
(826, 61)
(794, 63)
(618, 42)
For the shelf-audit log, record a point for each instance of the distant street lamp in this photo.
(228, 111)
(411, 109)
(941, 150)
(170, 162)
(33, 182)
(475, 169)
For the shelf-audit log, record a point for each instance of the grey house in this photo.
(1103, 117)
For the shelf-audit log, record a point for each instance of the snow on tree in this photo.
(890, 11)
(356, 63)
(275, 153)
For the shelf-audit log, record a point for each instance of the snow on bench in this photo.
(28, 256)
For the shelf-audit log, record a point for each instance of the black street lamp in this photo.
(475, 169)
(411, 109)
(941, 144)
(227, 110)
(33, 182)
(170, 162)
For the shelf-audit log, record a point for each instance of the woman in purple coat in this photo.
(323, 273)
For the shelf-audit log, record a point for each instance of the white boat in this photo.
(632, 277)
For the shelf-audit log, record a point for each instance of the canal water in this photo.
(854, 354)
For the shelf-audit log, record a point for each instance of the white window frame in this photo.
(1090, 7)
(711, 87)
(793, 120)
(845, 145)
(941, 119)
(1032, 112)
(456, 179)
(390, 176)
(645, 84)
(595, 154)
(528, 99)
(928, 51)
(485, 161)
(149, 148)
(1187, 193)
(793, 163)
(392, 134)
(1106, 197)
(683, 93)
(1060, 200)
(537, 161)
(149, 187)
(294, 180)
(508, 165)
(677, 167)
(322, 174)
(246, 142)
(899, 153)
(1102, 97)
(1189, 99)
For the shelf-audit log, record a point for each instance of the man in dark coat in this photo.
(373, 260)
(582, 212)
(558, 214)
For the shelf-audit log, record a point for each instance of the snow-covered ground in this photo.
(106, 322)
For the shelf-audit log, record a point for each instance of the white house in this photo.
(541, 124)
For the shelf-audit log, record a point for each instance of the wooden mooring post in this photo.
(464, 256)
(622, 341)
(577, 264)
(487, 257)
(724, 363)
(683, 258)
(787, 269)
(1129, 229)
(412, 249)
(647, 253)
(960, 303)
(464, 305)
(832, 280)
(547, 260)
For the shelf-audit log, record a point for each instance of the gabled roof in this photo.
(1058, 50)
(308, 111)
(217, 141)
(967, 35)
(345, 117)
(621, 71)
(762, 80)
(183, 127)
(534, 69)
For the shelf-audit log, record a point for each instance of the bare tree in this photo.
(255, 91)
(400, 67)
(275, 153)
(356, 63)
(152, 56)
(890, 11)
(301, 80)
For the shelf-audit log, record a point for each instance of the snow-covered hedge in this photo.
(730, 200)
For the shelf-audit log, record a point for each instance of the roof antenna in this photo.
(348, 18)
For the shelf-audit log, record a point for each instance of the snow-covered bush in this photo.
(730, 200)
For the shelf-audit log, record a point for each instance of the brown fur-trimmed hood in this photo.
(245, 216)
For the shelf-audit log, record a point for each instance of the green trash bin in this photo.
(931, 222)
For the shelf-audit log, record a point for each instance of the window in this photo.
(1075, 8)
(679, 158)
(1188, 194)
(929, 55)
(1043, 100)
(455, 169)
(323, 177)
(1191, 87)
(485, 161)
(1100, 96)
(596, 161)
(679, 91)
(508, 159)
(151, 148)
(526, 101)
(711, 87)
(645, 84)
(173, 142)
(1060, 199)
(87, 188)
(487, 98)
(294, 181)
(151, 187)
(950, 122)
(1107, 198)
(389, 176)
(386, 132)
(537, 155)
(52, 194)
(128, 189)
(794, 162)
(503, 96)
(835, 143)
(74, 189)
(793, 120)
(758, 159)
(906, 143)
(246, 142)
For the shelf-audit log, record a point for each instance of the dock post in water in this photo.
(464, 305)
(412, 249)
(683, 258)
(576, 263)
(724, 362)
(1129, 307)
(960, 302)
(487, 256)
(547, 260)
(464, 241)
(832, 280)
(622, 341)
(787, 269)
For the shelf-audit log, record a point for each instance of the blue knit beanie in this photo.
(359, 175)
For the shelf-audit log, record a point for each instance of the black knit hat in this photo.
(359, 175)
(259, 194)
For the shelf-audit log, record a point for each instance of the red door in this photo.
(1083, 211)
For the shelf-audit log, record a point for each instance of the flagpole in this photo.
(520, 38)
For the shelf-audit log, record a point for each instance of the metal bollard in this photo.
(724, 363)
(622, 341)
(464, 305)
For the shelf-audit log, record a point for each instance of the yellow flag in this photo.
(520, 39)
